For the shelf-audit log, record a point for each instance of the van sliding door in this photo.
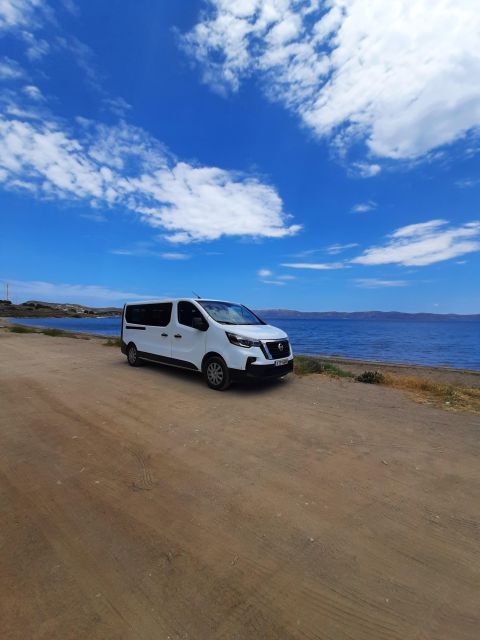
(158, 339)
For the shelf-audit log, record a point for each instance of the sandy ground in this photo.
(139, 504)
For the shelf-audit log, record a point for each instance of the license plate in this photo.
(281, 363)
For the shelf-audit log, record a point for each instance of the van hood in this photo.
(256, 331)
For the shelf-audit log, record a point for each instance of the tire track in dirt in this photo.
(143, 479)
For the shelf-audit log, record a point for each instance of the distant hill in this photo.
(41, 309)
(289, 314)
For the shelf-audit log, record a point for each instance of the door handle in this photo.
(177, 335)
(164, 335)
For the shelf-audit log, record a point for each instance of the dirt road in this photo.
(138, 504)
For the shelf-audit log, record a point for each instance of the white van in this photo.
(223, 340)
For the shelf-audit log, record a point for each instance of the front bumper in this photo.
(261, 371)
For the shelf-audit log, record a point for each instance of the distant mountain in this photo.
(40, 309)
(290, 314)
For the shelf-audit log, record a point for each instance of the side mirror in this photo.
(200, 324)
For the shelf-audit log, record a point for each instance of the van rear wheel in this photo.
(132, 356)
(216, 374)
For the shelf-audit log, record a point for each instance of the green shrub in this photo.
(112, 342)
(306, 365)
(19, 328)
(54, 332)
(336, 371)
(371, 377)
(60, 333)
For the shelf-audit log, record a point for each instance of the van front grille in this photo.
(278, 349)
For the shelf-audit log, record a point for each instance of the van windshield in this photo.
(228, 313)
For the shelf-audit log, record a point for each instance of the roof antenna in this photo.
(196, 295)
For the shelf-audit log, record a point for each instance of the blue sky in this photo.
(284, 153)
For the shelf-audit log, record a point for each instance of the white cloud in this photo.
(277, 283)
(268, 277)
(10, 69)
(170, 255)
(71, 7)
(365, 169)
(363, 207)
(118, 106)
(375, 283)
(205, 203)
(398, 75)
(33, 92)
(20, 13)
(95, 216)
(120, 166)
(37, 48)
(28, 20)
(467, 183)
(84, 57)
(334, 249)
(423, 244)
(418, 229)
(95, 295)
(144, 250)
(418, 244)
(125, 252)
(317, 266)
(124, 166)
(306, 253)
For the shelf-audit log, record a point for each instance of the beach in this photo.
(139, 504)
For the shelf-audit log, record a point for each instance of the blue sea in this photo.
(439, 343)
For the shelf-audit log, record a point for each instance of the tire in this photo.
(132, 356)
(216, 374)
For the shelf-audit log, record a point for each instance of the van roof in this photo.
(178, 300)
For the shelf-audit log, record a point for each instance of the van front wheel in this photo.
(216, 374)
(132, 356)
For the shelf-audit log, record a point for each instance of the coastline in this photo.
(453, 375)
(6, 321)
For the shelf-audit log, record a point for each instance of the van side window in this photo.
(186, 312)
(136, 314)
(153, 315)
(159, 314)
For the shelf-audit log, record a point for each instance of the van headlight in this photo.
(240, 341)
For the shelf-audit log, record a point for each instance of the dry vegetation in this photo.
(448, 396)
